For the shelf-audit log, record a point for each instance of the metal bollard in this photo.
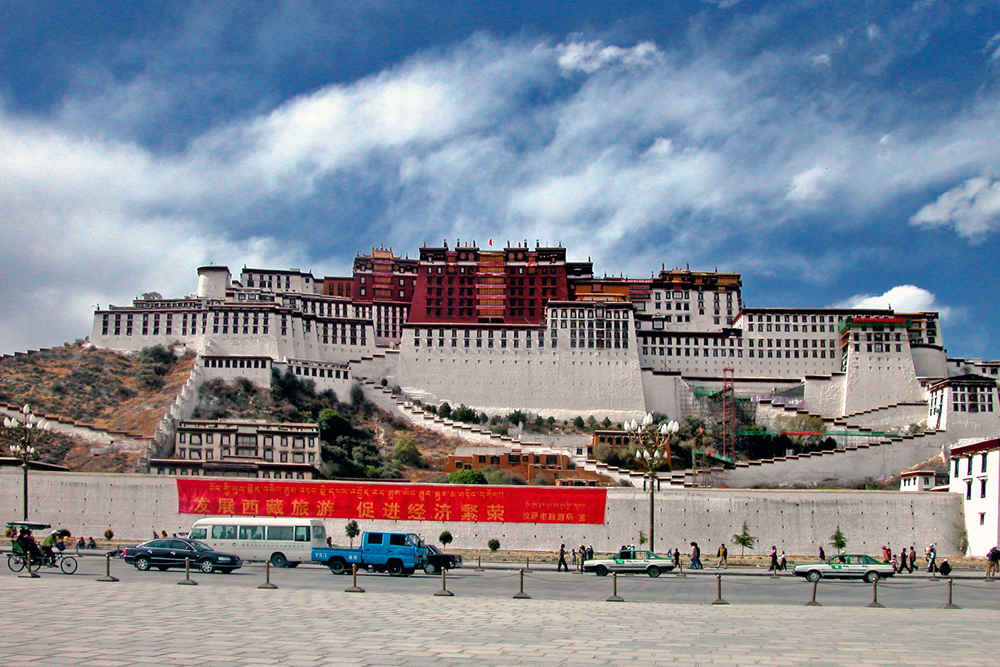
(521, 595)
(444, 592)
(614, 584)
(28, 574)
(718, 590)
(267, 577)
(950, 605)
(527, 563)
(680, 568)
(812, 602)
(874, 603)
(354, 581)
(187, 575)
(107, 570)
(479, 567)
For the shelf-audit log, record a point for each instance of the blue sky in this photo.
(833, 152)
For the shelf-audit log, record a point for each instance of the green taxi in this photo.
(630, 560)
(846, 566)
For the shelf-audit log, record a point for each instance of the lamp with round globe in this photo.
(652, 452)
(25, 432)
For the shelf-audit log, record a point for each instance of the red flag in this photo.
(491, 241)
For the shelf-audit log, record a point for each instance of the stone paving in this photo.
(79, 621)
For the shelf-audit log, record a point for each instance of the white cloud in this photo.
(902, 299)
(588, 57)
(972, 208)
(678, 155)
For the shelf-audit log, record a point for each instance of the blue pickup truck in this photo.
(399, 554)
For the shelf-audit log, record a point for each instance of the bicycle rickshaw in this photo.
(17, 559)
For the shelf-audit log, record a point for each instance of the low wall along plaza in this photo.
(133, 506)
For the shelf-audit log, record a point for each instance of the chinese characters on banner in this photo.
(403, 502)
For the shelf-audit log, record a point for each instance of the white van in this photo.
(285, 542)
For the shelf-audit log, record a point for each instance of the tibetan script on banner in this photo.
(402, 502)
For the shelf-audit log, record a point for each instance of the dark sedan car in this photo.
(167, 553)
(437, 559)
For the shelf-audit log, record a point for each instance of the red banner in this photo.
(402, 502)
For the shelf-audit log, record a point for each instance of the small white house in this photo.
(917, 480)
(975, 473)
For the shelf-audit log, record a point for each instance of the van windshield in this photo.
(415, 540)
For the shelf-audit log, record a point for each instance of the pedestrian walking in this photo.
(992, 562)
(912, 560)
(822, 554)
(583, 556)
(931, 556)
(562, 559)
(723, 555)
(575, 558)
(677, 557)
(590, 552)
(774, 559)
(782, 561)
(695, 557)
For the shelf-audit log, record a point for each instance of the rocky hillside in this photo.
(111, 390)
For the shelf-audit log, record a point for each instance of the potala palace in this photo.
(522, 328)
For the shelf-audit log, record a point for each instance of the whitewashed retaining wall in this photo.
(563, 383)
(797, 521)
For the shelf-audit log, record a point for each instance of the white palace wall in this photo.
(796, 521)
(559, 383)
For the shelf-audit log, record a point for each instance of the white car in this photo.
(629, 560)
(846, 566)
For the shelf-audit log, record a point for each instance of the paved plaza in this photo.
(80, 621)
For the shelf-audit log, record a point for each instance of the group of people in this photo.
(579, 554)
(44, 553)
(779, 562)
(992, 562)
(906, 561)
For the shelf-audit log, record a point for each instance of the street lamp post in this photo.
(25, 433)
(652, 450)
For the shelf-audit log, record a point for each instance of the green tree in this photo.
(606, 423)
(502, 477)
(745, 539)
(351, 530)
(466, 477)
(516, 417)
(405, 451)
(444, 410)
(493, 545)
(578, 423)
(642, 538)
(445, 538)
(838, 541)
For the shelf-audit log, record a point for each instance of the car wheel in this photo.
(207, 566)
(338, 566)
(814, 576)
(141, 563)
(601, 571)
(279, 560)
(872, 577)
(394, 568)
(15, 563)
(430, 569)
(68, 565)
(653, 571)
